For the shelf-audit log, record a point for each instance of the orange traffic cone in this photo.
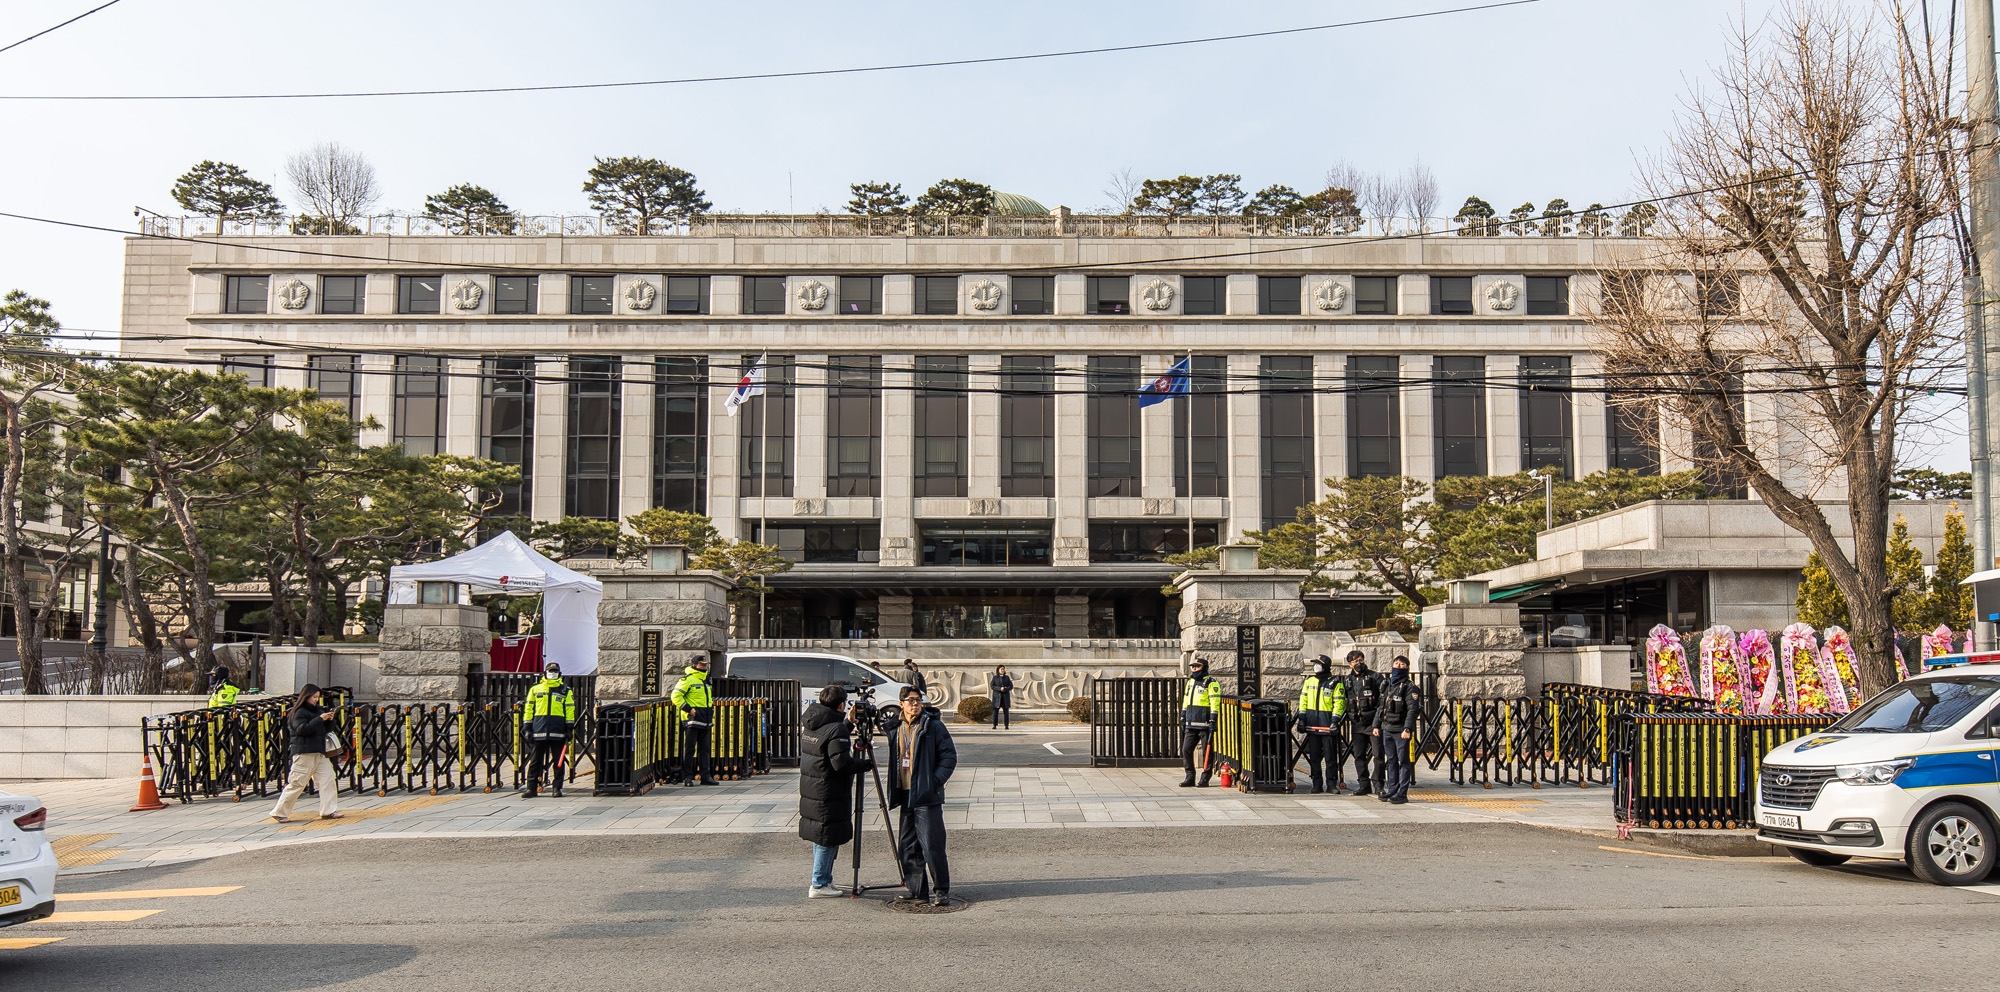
(1227, 780)
(149, 792)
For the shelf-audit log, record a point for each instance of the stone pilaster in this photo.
(427, 649)
(896, 616)
(1477, 648)
(689, 608)
(1073, 616)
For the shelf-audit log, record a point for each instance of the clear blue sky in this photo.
(1554, 99)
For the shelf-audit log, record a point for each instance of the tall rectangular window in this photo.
(1278, 294)
(764, 294)
(507, 426)
(1208, 402)
(1107, 294)
(1458, 414)
(591, 294)
(1374, 416)
(854, 426)
(1375, 294)
(1033, 295)
(687, 294)
(1721, 293)
(1621, 291)
(937, 295)
(941, 419)
(514, 294)
(343, 294)
(680, 433)
(1204, 295)
(247, 294)
(1631, 433)
(1114, 425)
(331, 377)
(420, 399)
(860, 294)
(256, 369)
(1027, 425)
(1546, 434)
(419, 294)
(1286, 407)
(1548, 296)
(766, 439)
(594, 419)
(1451, 294)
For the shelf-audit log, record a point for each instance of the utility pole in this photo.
(1982, 107)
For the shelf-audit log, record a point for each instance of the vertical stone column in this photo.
(1246, 450)
(461, 408)
(1503, 414)
(376, 380)
(1215, 603)
(899, 473)
(896, 616)
(1419, 447)
(1587, 413)
(1478, 649)
(809, 433)
(724, 448)
(427, 649)
(1156, 430)
(690, 609)
(1073, 616)
(551, 465)
(1072, 526)
(1330, 444)
(983, 429)
(635, 434)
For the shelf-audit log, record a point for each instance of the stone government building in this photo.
(951, 447)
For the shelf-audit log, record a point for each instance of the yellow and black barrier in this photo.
(1253, 740)
(1680, 771)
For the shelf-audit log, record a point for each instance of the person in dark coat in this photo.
(1000, 689)
(917, 679)
(309, 726)
(1364, 697)
(1395, 724)
(827, 769)
(921, 760)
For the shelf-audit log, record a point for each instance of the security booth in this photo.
(1985, 610)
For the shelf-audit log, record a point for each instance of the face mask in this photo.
(1399, 674)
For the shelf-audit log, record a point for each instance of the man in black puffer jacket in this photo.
(827, 768)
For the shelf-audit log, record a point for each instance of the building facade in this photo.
(951, 443)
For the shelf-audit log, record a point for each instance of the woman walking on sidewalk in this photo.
(1000, 689)
(310, 764)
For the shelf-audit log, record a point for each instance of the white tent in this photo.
(506, 564)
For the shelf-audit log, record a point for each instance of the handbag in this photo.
(334, 745)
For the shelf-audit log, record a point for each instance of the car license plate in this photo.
(10, 896)
(1778, 820)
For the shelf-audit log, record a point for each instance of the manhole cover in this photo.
(952, 905)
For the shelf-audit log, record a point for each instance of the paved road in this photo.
(1026, 744)
(1375, 907)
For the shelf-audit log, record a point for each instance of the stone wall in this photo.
(428, 648)
(287, 667)
(1608, 665)
(1477, 648)
(690, 609)
(79, 736)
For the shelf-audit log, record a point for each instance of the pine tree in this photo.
(1820, 603)
(1556, 218)
(877, 199)
(1474, 219)
(635, 192)
(225, 192)
(1520, 220)
(1593, 222)
(469, 209)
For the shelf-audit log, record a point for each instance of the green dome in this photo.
(1018, 206)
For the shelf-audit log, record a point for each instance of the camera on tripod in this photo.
(870, 718)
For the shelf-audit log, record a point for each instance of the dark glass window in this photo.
(860, 294)
(986, 616)
(1548, 296)
(1721, 293)
(1286, 406)
(248, 294)
(594, 419)
(1208, 401)
(591, 294)
(1451, 294)
(680, 433)
(1033, 295)
(1204, 295)
(1621, 291)
(419, 294)
(1546, 434)
(1631, 433)
(254, 368)
(937, 295)
(1107, 294)
(1114, 425)
(514, 294)
(1374, 416)
(766, 442)
(1375, 294)
(996, 544)
(1278, 294)
(1147, 541)
(420, 399)
(763, 294)
(941, 415)
(1458, 414)
(332, 378)
(343, 294)
(857, 541)
(1027, 425)
(687, 294)
(854, 426)
(507, 426)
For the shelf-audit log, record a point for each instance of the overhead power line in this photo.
(64, 24)
(744, 77)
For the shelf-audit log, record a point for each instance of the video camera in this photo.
(869, 716)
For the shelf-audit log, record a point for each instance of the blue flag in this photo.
(1173, 383)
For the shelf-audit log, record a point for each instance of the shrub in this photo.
(1079, 709)
(1314, 623)
(975, 709)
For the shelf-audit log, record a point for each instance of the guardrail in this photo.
(1698, 771)
(781, 723)
(1135, 722)
(1253, 740)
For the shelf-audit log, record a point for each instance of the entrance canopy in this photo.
(506, 564)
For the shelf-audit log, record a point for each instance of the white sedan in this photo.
(27, 861)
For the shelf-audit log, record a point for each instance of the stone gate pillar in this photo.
(1478, 646)
(1217, 606)
(653, 621)
(428, 647)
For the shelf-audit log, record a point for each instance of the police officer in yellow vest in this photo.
(546, 719)
(224, 694)
(695, 700)
(1322, 701)
(1201, 710)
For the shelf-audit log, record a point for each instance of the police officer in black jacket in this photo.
(1364, 698)
(1395, 725)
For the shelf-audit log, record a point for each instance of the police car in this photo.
(1913, 773)
(27, 861)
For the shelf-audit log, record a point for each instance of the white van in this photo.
(1913, 773)
(814, 671)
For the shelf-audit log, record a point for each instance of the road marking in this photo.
(100, 915)
(1984, 890)
(1051, 745)
(70, 851)
(23, 943)
(1656, 854)
(214, 890)
(352, 815)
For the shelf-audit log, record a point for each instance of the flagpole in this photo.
(1190, 453)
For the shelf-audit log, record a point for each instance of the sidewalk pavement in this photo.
(94, 832)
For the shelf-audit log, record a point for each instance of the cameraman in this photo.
(827, 769)
(922, 759)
